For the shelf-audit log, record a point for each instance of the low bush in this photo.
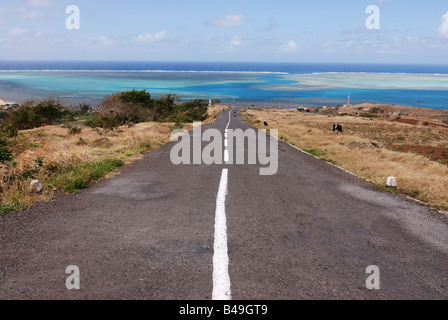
(31, 115)
(315, 152)
(369, 115)
(7, 208)
(78, 177)
(6, 133)
(137, 106)
(74, 130)
(6, 154)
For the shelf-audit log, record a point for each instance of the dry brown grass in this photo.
(61, 150)
(417, 175)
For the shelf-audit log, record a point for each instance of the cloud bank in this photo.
(443, 29)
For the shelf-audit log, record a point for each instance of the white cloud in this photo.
(236, 43)
(18, 31)
(39, 3)
(102, 40)
(150, 38)
(229, 21)
(290, 47)
(443, 29)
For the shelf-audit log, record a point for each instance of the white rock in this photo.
(392, 182)
(35, 186)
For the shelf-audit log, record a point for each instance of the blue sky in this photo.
(411, 31)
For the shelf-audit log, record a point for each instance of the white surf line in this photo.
(221, 278)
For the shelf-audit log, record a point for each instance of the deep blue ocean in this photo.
(261, 84)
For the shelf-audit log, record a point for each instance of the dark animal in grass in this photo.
(266, 124)
(338, 128)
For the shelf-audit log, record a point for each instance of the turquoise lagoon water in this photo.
(263, 84)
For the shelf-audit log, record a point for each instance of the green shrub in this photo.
(107, 122)
(6, 133)
(78, 177)
(9, 131)
(50, 110)
(137, 106)
(74, 130)
(133, 106)
(376, 110)
(7, 208)
(141, 97)
(75, 184)
(194, 110)
(165, 107)
(369, 115)
(6, 154)
(315, 152)
(31, 115)
(95, 122)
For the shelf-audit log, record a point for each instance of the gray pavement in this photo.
(308, 232)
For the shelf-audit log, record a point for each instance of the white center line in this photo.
(230, 119)
(221, 278)
(226, 143)
(226, 156)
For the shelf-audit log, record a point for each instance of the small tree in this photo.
(29, 115)
(24, 118)
(165, 107)
(49, 110)
(135, 106)
(140, 97)
(195, 110)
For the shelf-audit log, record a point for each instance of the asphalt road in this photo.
(308, 232)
